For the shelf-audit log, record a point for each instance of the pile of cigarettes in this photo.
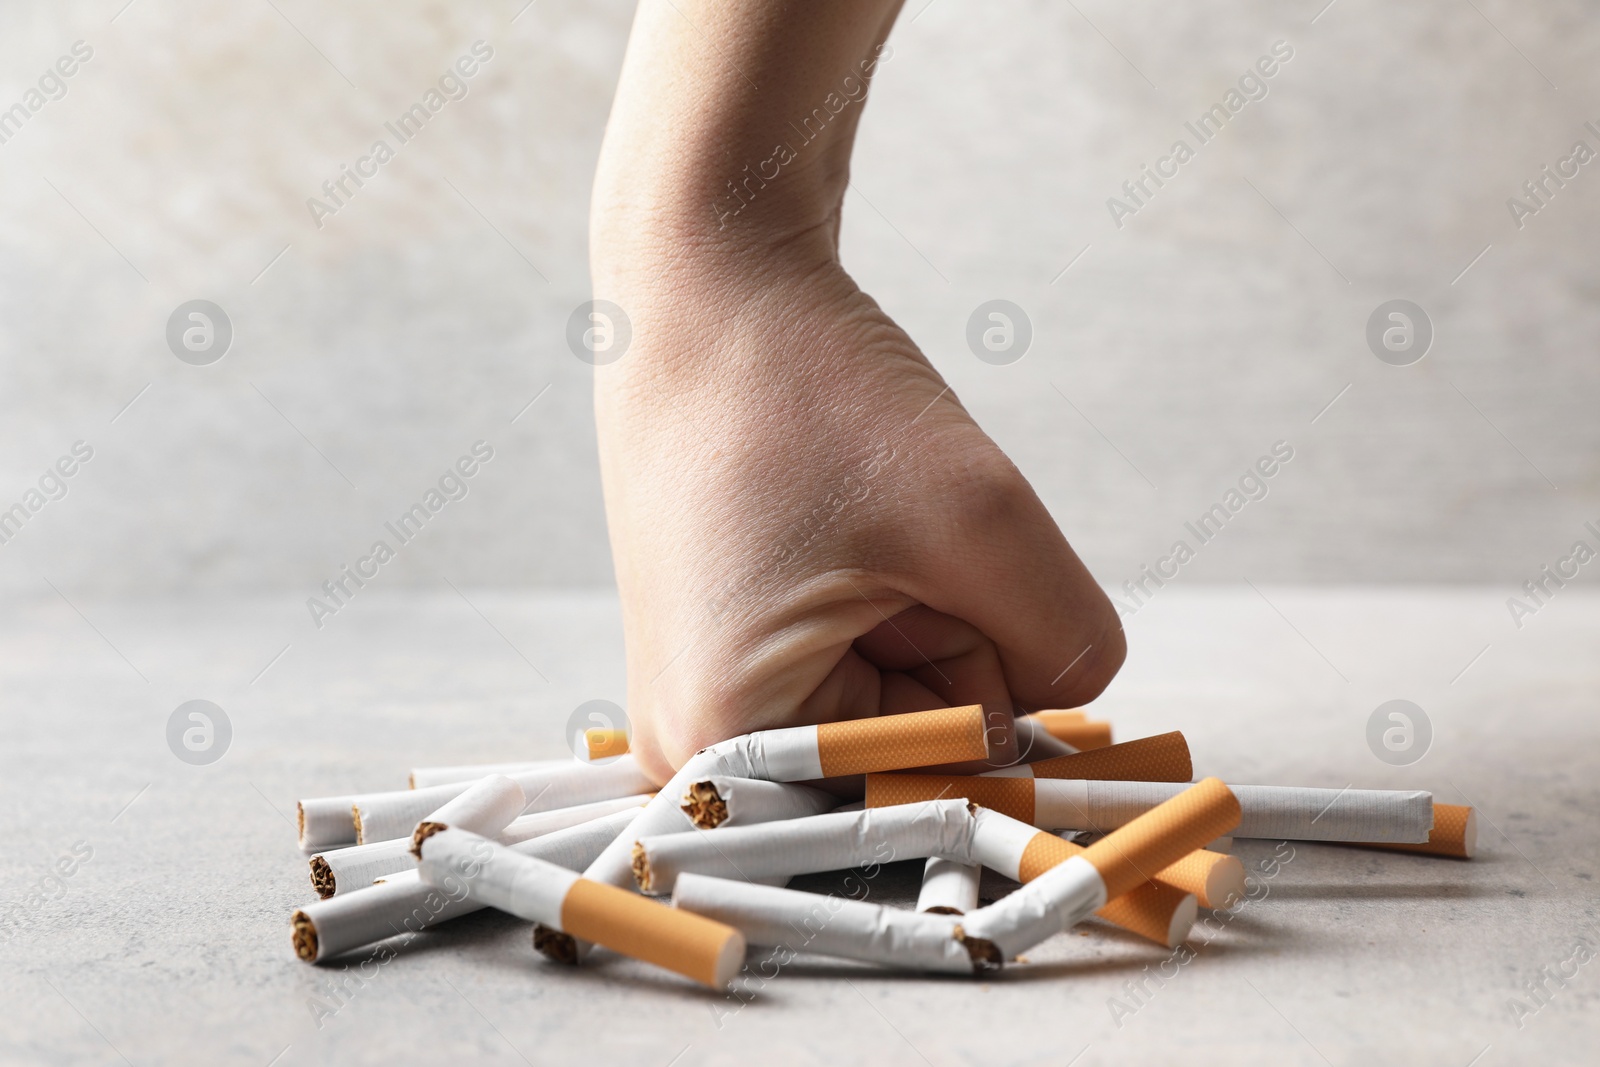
(586, 850)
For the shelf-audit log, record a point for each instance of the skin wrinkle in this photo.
(760, 387)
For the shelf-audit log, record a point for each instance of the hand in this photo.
(807, 525)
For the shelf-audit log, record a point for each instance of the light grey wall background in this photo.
(1226, 315)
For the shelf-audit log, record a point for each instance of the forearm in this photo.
(731, 130)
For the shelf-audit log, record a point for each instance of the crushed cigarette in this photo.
(403, 904)
(487, 807)
(723, 800)
(459, 862)
(382, 816)
(569, 846)
(828, 926)
(1069, 892)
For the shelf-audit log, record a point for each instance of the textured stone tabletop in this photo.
(168, 941)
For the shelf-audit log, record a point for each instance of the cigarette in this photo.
(402, 903)
(326, 822)
(1074, 728)
(343, 870)
(601, 743)
(804, 753)
(1065, 894)
(1162, 758)
(1454, 834)
(803, 846)
(1270, 811)
(722, 800)
(793, 754)
(828, 925)
(1158, 910)
(680, 941)
(948, 887)
(381, 816)
(1023, 853)
(487, 807)
(1034, 742)
(423, 777)
(540, 823)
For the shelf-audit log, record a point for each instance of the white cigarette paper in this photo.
(423, 777)
(721, 800)
(1278, 812)
(403, 903)
(559, 899)
(528, 827)
(798, 754)
(380, 816)
(827, 925)
(1057, 899)
(344, 870)
(793, 754)
(326, 822)
(487, 806)
(803, 846)
(949, 887)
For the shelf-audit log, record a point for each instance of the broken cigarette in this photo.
(423, 777)
(680, 941)
(540, 823)
(1070, 891)
(803, 753)
(1021, 852)
(403, 903)
(794, 754)
(486, 808)
(602, 743)
(804, 846)
(345, 869)
(721, 800)
(1074, 728)
(949, 887)
(325, 822)
(381, 816)
(1454, 834)
(1270, 811)
(1162, 758)
(827, 925)
(1158, 910)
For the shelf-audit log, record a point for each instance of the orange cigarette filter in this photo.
(1163, 835)
(602, 743)
(1159, 910)
(917, 739)
(1454, 834)
(1215, 879)
(1010, 796)
(681, 941)
(1075, 728)
(1162, 758)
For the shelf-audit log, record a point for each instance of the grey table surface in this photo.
(170, 942)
